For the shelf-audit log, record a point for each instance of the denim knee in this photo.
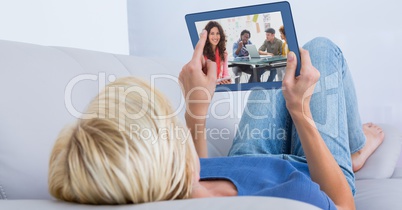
(323, 52)
(320, 43)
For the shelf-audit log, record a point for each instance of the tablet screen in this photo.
(255, 41)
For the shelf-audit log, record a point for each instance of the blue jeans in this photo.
(271, 78)
(266, 127)
(272, 75)
(238, 70)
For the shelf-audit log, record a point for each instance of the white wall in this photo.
(89, 24)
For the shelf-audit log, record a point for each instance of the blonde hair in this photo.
(131, 152)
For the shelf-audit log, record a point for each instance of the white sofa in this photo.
(44, 88)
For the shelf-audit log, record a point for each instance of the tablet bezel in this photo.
(291, 38)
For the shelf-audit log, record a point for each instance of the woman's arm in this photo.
(323, 168)
(225, 71)
(198, 134)
(198, 88)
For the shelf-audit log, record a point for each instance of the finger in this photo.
(199, 48)
(305, 57)
(181, 80)
(211, 70)
(290, 67)
(204, 65)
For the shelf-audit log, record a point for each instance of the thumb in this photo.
(290, 73)
(211, 70)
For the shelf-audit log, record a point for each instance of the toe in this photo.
(369, 124)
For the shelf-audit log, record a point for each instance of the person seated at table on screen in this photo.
(134, 150)
(271, 46)
(285, 51)
(215, 50)
(240, 50)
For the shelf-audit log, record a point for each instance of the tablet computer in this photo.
(261, 25)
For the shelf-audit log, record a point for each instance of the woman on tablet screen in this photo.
(215, 50)
(134, 150)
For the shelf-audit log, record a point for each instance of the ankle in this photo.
(357, 162)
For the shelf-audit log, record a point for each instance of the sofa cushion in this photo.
(381, 164)
(397, 173)
(34, 107)
(46, 88)
(243, 202)
(378, 194)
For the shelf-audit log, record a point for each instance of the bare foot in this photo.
(374, 137)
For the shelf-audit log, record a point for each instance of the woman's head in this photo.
(133, 151)
(216, 38)
(282, 32)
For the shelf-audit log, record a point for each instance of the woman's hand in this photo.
(225, 82)
(198, 83)
(198, 87)
(298, 90)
